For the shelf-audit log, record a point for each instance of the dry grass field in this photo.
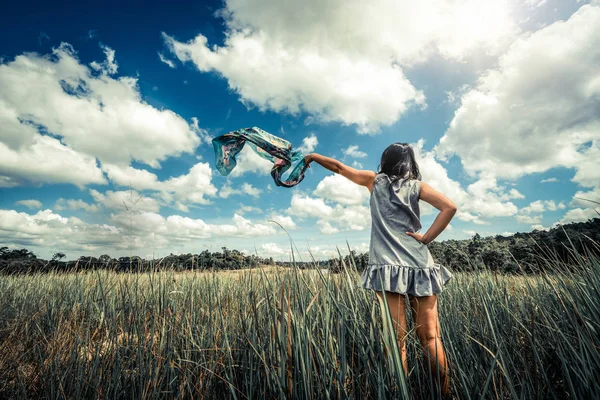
(274, 332)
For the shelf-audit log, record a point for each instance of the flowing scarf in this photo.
(270, 147)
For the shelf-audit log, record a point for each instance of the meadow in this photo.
(290, 333)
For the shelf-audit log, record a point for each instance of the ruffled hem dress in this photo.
(398, 262)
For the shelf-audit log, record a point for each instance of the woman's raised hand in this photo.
(308, 159)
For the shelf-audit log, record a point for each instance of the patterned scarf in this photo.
(269, 147)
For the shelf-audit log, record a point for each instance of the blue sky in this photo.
(107, 110)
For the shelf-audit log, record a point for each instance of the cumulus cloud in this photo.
(344, 63)
(353, 151)
(309, 144)
(48, 231)
(340, 89)
(33, 204)
(284, 220)
(125, 200)
(341, 190)
(193, 187)
(272, 249)
(529, 219)
(42, 159)
(538, 109)
(540, 206)
(586, 206)
(532, 214)
(75, 204)
(330, 219)
(482, 199)
(246, 188)
(248, 209)
(179, 228)
(580, 215)
(249, 161)
(58, 116)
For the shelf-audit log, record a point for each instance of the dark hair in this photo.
(398, 162)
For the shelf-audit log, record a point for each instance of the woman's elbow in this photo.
(452, 209)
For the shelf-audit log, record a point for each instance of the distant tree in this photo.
(58, 256)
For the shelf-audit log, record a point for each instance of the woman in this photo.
(399, 262)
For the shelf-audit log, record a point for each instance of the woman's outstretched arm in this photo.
(360, 177)
(447, 210)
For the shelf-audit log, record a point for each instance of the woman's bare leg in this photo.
(397, 307)
(425, 313)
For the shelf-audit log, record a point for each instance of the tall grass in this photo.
(293, 334)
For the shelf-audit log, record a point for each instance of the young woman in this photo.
(399, 262)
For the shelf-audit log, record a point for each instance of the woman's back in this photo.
(395, 211)
(397, 261)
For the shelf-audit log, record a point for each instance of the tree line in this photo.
(518, 253)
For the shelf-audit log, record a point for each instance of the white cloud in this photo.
(192, 187)
(109, 66)
(286, 221)
(343, 63)
(140, 179)
(272, 249)
(588, 167)
(341, 190)
(540, 206)
(306, 206)
(309, 144)
(538, 109)
(539, 227)
(248, 209)
(125, 200)
(47, 230)
(89, 115)
(249, 161)
(75, 204)
(482, 199)
(246, 188)
(353, 151)
(227, 190)
(535, 3)
(165, 60)
(202, 133)
(537, 207)
(250, 190)
(529, 219)
(33, 204)
(515, 194)
(45, 160)
(179, 228)
(587, 198)
(330, 219)
(580, 215)
(549, 180)
(326, 228)
(587, 206)
(330, 88)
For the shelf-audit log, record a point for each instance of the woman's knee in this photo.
(429, 337)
